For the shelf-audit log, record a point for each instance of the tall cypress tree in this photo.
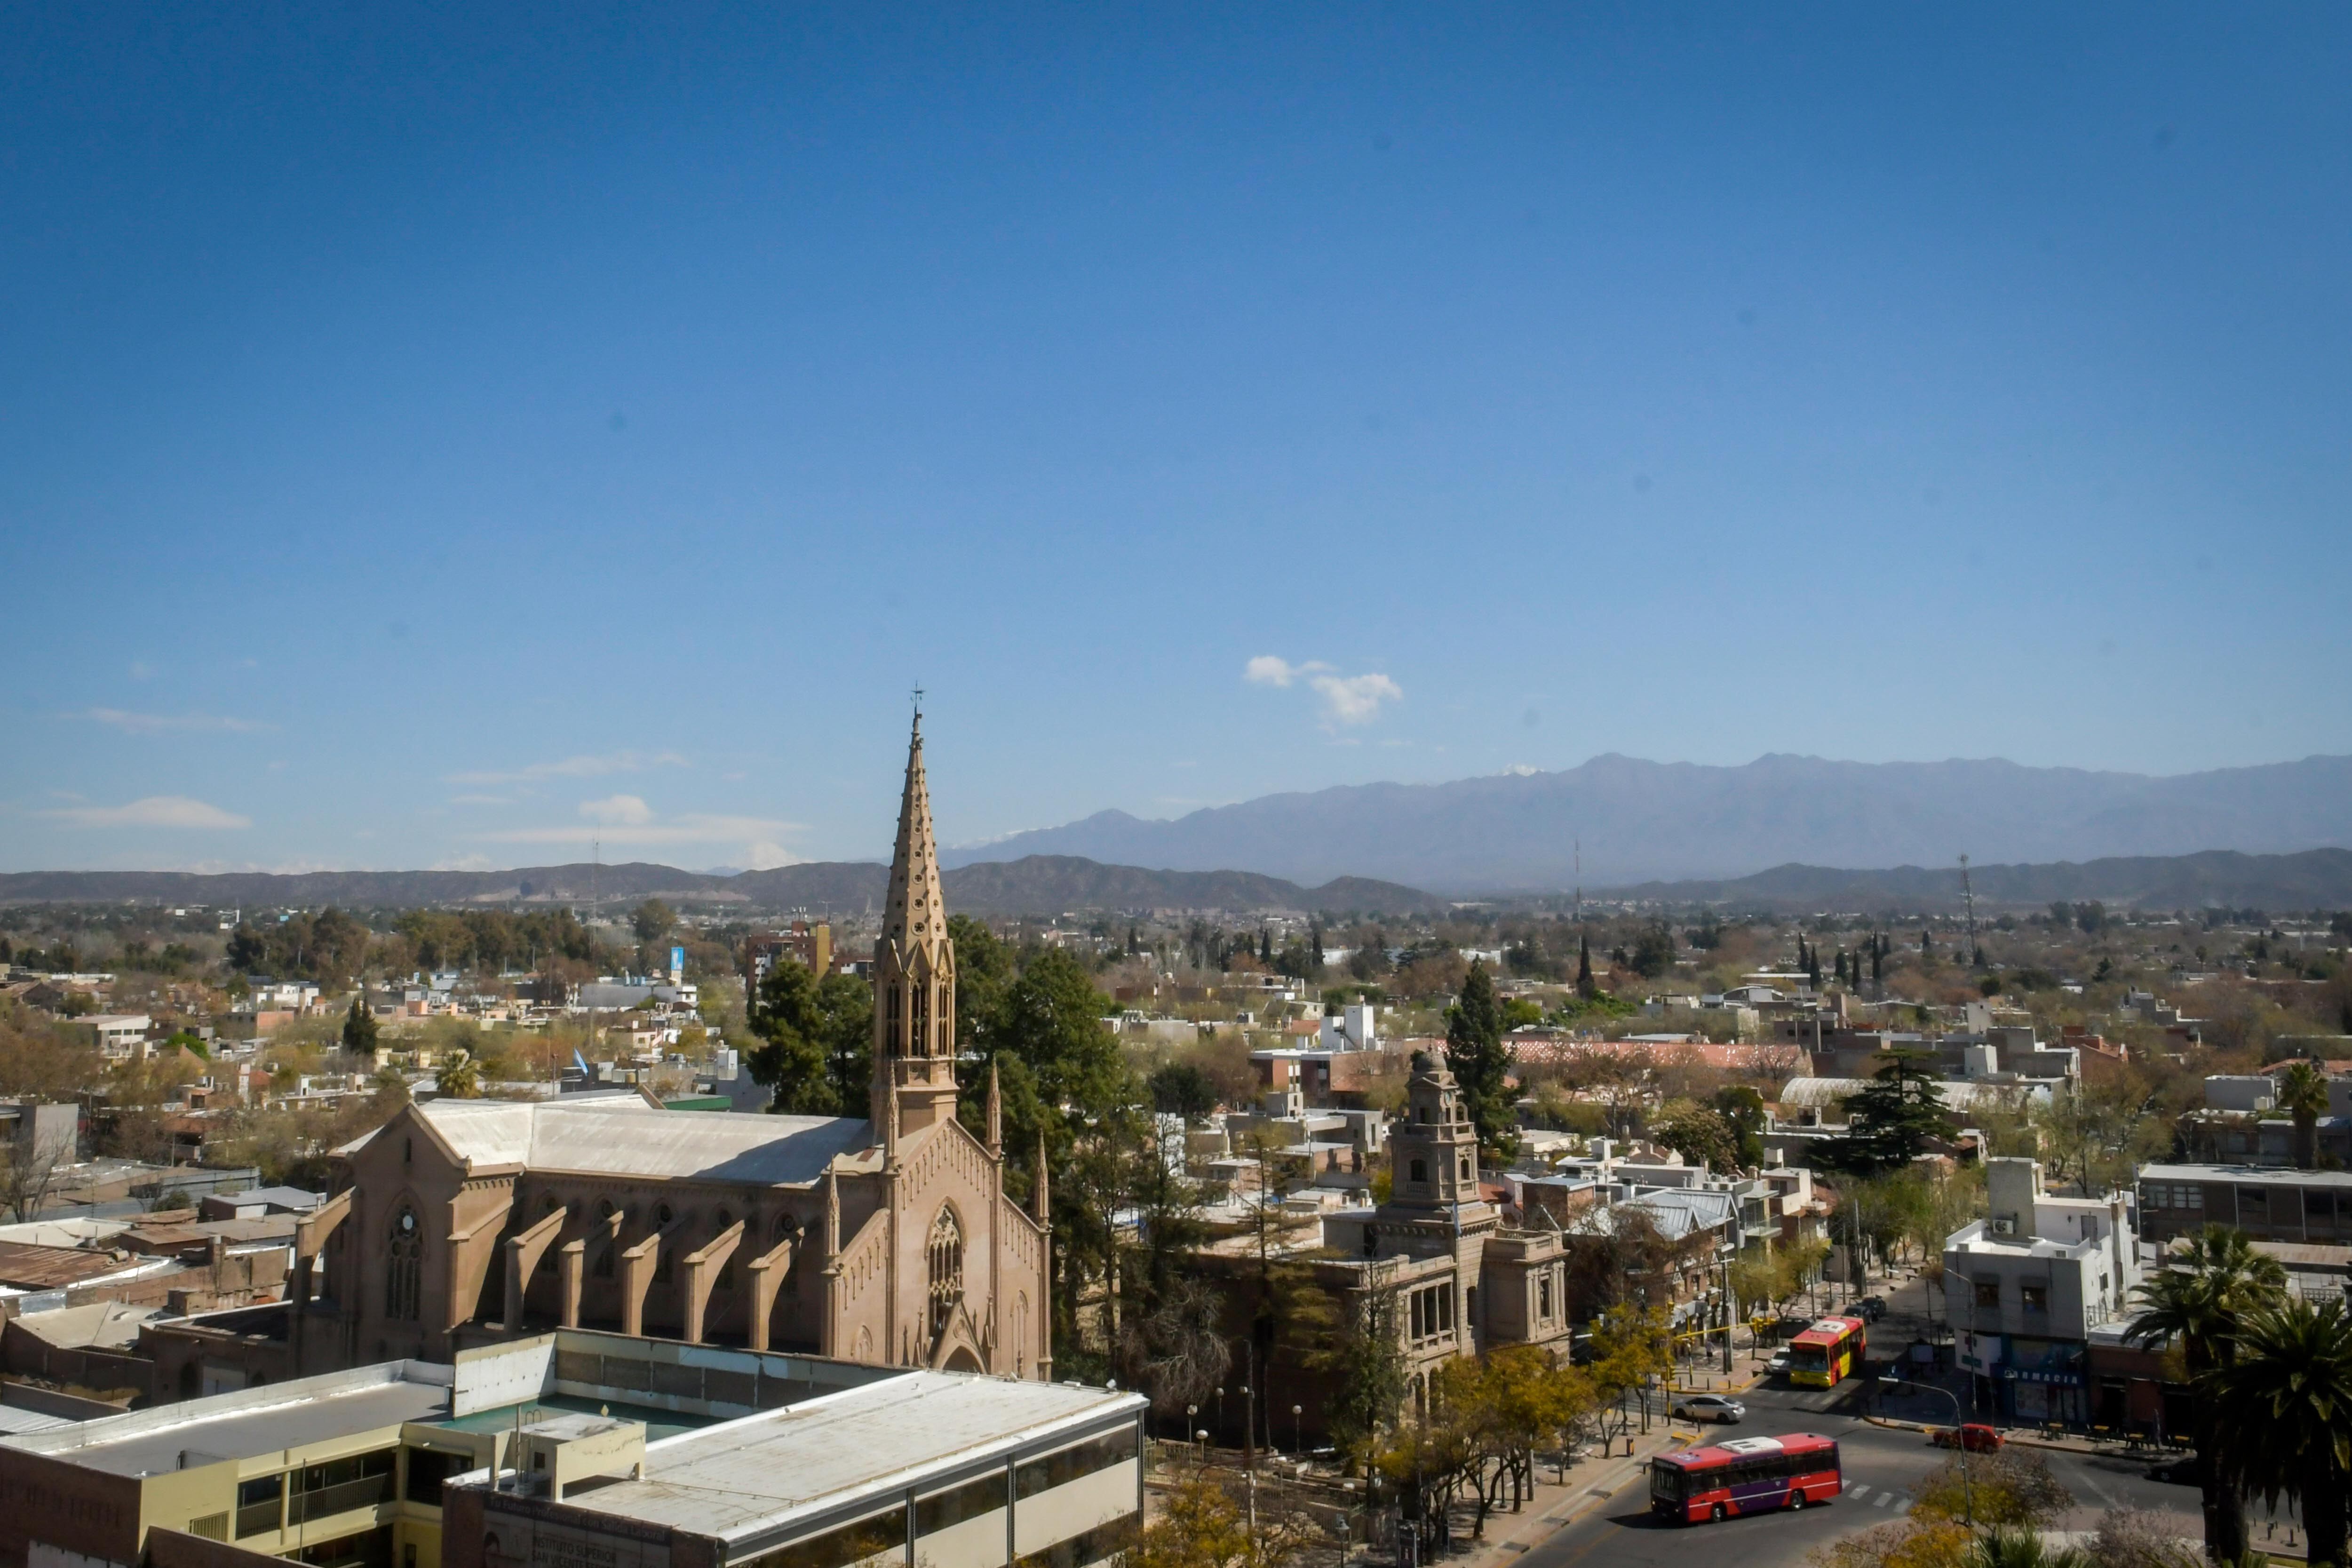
(1878, 958)
(1480, 1062)
(1584, 982)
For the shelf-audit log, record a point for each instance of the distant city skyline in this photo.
(439, 439)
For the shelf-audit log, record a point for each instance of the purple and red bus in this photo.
(1745, 1475)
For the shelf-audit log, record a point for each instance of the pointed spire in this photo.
(1040, 1199)
(914, 968)
(995, 1114)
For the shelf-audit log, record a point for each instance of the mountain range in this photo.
(2314, 880)
(1037, 884)
(1639, 822)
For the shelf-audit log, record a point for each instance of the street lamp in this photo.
(1967, 1495)
(1298, 1443)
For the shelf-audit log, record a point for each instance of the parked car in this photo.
(1779, 1362)
(1870, 1309)
(1976, 1438)
(1711, 1408)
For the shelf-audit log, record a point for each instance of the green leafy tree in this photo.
(2282, 1410)
(359, 1027)
(1653, 951)
(2213, 1282)
(1743, 1108)
(1699, 1135)
(1182, 1089)
(653, 920)
(817, 1040)
(1480, 1062)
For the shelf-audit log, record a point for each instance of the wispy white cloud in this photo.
(132, 724)
(618, 810)
(575, 768)
(1355, 699)
(1347, 698)
(152, 811)
(1266, 669)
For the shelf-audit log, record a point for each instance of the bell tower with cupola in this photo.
(1434, 1150)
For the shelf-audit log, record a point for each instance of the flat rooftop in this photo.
(2251, 1175)
(244, 1426)
(741, 1478)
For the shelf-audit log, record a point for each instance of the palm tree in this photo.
(2303, 1094)
(2214, 1280)
(2283, 1406)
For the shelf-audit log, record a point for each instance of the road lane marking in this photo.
(1883, 1499)
(1903, 1506)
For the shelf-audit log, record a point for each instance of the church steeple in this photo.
(914, 971)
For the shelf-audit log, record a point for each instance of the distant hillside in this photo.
(1639, 821)
(1041, 884)
(2317, 878)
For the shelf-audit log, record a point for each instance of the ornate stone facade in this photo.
(887, 1240)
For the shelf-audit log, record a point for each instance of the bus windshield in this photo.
(1809, 1358)
(1666, 1482)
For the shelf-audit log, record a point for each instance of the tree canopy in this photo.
(1480, 1062)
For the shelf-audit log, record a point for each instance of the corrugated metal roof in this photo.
(745, 1478)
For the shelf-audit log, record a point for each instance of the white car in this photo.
(1779, 1362)
(1711, 1408)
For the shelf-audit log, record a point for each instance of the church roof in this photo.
(622, 1135)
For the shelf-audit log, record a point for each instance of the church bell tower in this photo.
(914, 972)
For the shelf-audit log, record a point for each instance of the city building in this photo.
(2026, 1287)
(921, 1468)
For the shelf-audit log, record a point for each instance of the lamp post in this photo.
(1959, 1421)
(1298, 1443)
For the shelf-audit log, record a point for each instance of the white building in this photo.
(120, 1034)
(2026, 1286)
(1352, 1028)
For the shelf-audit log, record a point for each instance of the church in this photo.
(886, 1239)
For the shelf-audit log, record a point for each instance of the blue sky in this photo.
(428, 439)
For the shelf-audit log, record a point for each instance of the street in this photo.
(1883, 1468)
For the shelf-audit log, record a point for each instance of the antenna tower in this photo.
(1968, 897)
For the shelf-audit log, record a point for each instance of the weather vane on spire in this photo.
(919, 704)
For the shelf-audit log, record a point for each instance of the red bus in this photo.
(1746, 1475)
(1831, 1348)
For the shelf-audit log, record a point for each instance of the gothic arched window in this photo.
(946, 1255)
(402, 1253)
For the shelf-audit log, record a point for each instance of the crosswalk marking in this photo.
(1884, 1497)
(1856, 1486)
(1903, 1506)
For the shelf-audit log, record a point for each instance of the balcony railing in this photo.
(365, 1492)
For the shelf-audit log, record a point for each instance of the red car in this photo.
(1976, 1438)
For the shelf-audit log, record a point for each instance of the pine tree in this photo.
(1317, 931)
(1841, 966)
(1476, 1055)
(1878, 959)
(358, 1025)
(1265, 946)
